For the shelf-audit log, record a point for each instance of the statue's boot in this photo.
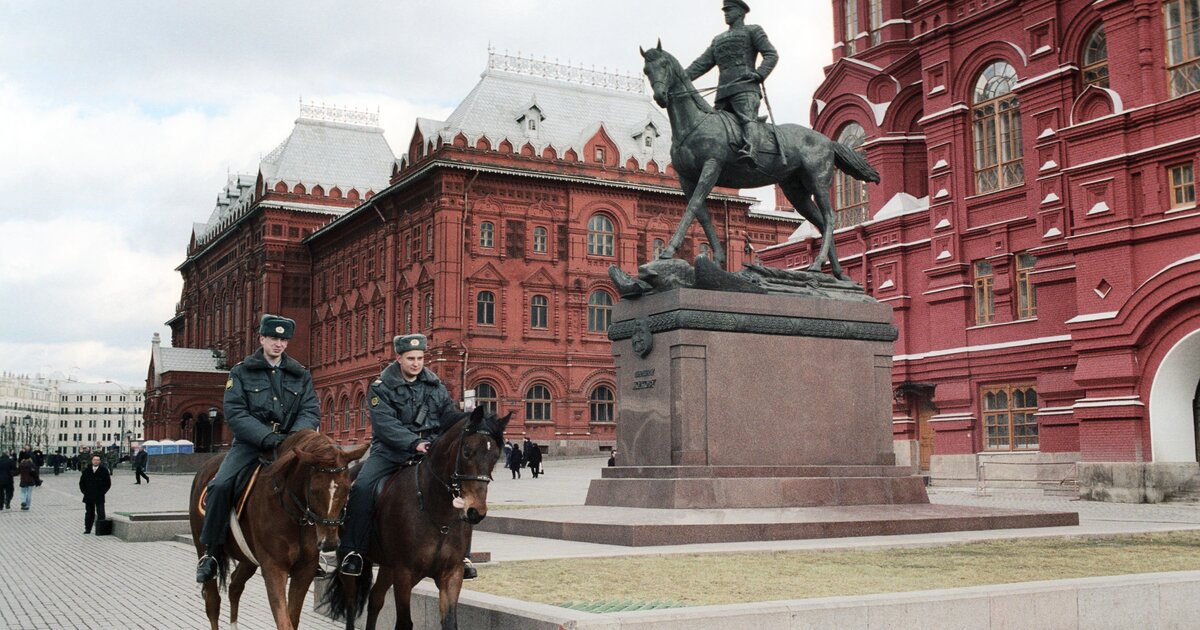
(745, 154)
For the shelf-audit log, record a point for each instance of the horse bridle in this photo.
(307, 516)
(454, 486)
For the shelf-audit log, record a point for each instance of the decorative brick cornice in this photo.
(761, 324)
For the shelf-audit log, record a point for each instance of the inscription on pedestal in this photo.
(643, 380)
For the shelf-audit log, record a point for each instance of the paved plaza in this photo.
(56, 577)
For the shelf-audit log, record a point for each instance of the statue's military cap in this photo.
(736, 3)
(407, 343)
(276, 326)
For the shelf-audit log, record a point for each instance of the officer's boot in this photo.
(469, 571)
(206, 569)
(745, 155)
(352, 565)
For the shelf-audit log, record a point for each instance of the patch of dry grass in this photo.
(704, 579)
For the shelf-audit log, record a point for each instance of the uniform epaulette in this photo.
(378, 381)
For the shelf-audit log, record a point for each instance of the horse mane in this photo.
(490, 424)
(682, 77)
(307, 441)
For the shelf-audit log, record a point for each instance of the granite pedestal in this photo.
(745, 417)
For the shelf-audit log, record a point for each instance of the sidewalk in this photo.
(55, 577)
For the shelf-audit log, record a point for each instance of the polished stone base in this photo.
(640, 527)
(711, 487)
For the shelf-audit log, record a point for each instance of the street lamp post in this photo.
(28, 422)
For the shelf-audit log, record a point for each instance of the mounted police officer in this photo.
(267, 397)
(409, 408)
(735, 53)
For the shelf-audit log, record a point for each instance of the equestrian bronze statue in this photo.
(705, 153)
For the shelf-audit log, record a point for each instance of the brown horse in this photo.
(295, 508)
(423, 522)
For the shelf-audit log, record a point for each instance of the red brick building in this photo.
(1035, 231)
(492, 234)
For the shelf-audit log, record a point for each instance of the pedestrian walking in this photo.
(533, 455)
(29, 480)
(515, 460)
(8, 468)
(94, 482)
(140, 458)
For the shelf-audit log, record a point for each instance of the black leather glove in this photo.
(272, 441)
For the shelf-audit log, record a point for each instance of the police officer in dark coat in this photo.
(94, 482)
(268, 396)
(409, 408)
(8, 468)
(735, 52)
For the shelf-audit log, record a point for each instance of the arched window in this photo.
(537, 404)
(333, 342)
(600, 405)
(706, 250)
(540, 240)
(1182, 21)
(380, 326)
(538, 308)
(996, 122)
(363, 413)
(485, 308)
(600, 236)
(599, 311)
(485, 397)
(849, 194)
(348, 338)
(407, 317)
(347, 415)
(364, 333)
(1095, 59)
(658, 247)
(428, 312)
(487, 234)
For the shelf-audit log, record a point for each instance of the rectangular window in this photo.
(851, 27)
(599, 155)
(876, 21)
(985, 299)
(1026, 292)
(1183, 185)
(1181, 19)
(1008, 417)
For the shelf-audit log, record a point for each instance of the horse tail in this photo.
(222, 559)
(346, 597)
(853, 164)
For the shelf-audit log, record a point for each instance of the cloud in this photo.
(121, 121)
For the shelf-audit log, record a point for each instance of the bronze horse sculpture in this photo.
(422, 524)
(293, 511)
(801, 161)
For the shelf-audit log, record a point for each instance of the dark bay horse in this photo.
(294, 509)
(701, 153)
(422, 524)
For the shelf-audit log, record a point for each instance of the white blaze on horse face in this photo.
(332, 498)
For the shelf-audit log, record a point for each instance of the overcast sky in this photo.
(119, 121)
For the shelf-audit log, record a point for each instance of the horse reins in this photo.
(307, 516)
(454, 487)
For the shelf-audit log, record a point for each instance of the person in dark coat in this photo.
(533, 457)
(409, 407)
(140, 459)
(94, 482)
(29, 480)
(267, 397)
(515, 459)
(8, 469)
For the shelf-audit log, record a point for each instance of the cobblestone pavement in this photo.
(55, 577)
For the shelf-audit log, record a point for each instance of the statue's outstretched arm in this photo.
(705, 62)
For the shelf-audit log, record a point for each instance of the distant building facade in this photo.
(59, 415)
(492, 234)
(1035, 231)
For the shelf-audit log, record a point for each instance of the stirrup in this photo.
(206, 568)
(352, 565)
(469, 570)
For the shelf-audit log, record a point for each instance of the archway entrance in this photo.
(1174, 436)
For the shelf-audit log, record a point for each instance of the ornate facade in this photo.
(1036, 230)
(493, 235)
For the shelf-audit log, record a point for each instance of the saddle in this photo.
(761, 134)
(242, 485)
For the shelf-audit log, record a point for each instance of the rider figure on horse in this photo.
(268, 396)
(409, 408)
(735, 52)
